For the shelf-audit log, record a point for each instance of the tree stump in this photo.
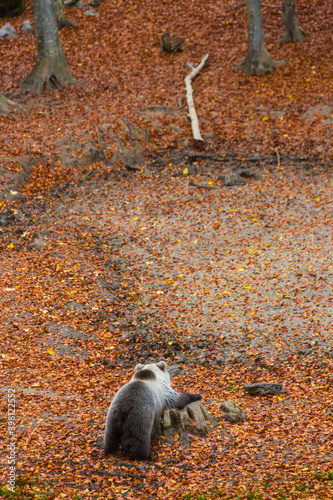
(193, 419)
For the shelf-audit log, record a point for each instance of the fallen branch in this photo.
(201, 186)
(189, 98)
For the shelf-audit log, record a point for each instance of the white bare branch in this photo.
(189, 98)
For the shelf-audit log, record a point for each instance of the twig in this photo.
(239, 5)
(201, 186)
(278, 156)
(189, 96)
(100, 144)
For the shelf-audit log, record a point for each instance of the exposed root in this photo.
(6, 105)
(64, 22)
(259, 67)
(50, 74)
(293, 35)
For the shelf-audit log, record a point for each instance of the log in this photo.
(189, 97)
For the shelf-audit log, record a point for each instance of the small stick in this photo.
(278, 156)
(189, 96)
(100, 144)
(202, 186)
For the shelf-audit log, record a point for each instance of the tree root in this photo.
(64, 22)
(293, 35)
(261, 67)
(49, 73)
(6, 105)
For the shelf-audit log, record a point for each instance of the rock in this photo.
(232, 412)
(27, 28)
(264, 389)
(183, 141)
(94, 3)
(91, 12)
(39, 240)
(6, 218)
(12, 195)
(37, 244)
(134, 132)
(8, 32)
(232, 180)
(92, 155)
(72, 3)
(128, 156)
(246, 173)
(73, 305)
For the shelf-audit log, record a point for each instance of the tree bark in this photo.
(51, 67)
(5, 105)
(62, 20)
(257, 61)
(292, 33)
(11, 8)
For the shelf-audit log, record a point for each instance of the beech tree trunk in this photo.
(51, 67)
(62, 20)
(11, 8)
(289, 18)
(257, 61)
(5, 105)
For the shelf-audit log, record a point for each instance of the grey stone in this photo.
(135, 132)
(91, 12)
(264, 389)
(27, 28)
(8, 32)
(232, 412)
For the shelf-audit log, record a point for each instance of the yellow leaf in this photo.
(265, 118)
(11, 245)
(50, 351)
(210, 182)
(170, 343)
(180, 275)
(280, 399)
(185, 171)
(247, 287)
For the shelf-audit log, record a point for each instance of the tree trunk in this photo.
(62, 20)
(257, 61)
(11, 8)
(289, 18)
(51, 67)
(5, 105)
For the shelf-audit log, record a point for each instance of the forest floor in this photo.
(122, 241)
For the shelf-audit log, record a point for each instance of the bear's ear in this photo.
(162, 365)
(138, 367)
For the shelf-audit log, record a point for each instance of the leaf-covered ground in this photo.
(101, 268)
